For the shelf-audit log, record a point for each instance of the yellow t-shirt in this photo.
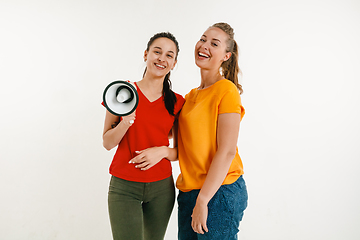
(197, 133)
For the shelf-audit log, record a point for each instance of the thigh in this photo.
(186, 204)
(125, 210)
(157, 208)
(226, 210)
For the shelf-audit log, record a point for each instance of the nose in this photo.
(205, 46)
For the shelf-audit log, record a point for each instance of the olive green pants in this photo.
(140, 211)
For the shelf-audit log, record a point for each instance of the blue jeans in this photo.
(225, 211)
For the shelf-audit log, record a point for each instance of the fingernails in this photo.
(130, 161)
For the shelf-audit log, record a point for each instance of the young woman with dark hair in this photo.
(140, 202)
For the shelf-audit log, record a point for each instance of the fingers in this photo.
(129, 119)
(198, 227)
(146, 168)
(141, 162)
(143, 165)
(146, 158)
(198, 219)
(139, 158)
(205, 228)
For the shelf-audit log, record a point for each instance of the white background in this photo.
(299, 139)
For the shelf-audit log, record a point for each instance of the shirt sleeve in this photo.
(179, 103)
(231, 102)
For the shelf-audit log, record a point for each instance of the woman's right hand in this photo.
(129, 119)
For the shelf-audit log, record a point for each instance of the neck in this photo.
(151, 84)
(209, 77)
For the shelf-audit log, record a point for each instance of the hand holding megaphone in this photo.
(129, 119)
(120, 98)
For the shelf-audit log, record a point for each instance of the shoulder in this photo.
(226, 85)
(179, 97)
(179, 102)
(190, 94)
(224, 89)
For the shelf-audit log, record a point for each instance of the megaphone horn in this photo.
(120, 98)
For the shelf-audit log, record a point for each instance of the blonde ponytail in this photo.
(230, 68)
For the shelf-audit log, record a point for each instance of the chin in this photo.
(200, 64)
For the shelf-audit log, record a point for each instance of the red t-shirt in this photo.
(150, 129)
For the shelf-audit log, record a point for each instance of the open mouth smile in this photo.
(203, 55)
(160, 66)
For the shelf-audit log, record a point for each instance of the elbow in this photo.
(230, 154)
(107, 146)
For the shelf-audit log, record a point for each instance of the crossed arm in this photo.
(147, 158)
(114, 131)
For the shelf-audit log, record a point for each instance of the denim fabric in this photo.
(139, 210)
(225, 211)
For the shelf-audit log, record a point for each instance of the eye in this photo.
(157, 52)
(202, 40)
(215, 44)
(170, 56)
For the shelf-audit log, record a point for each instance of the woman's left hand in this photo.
(199, 217)
(148, 158)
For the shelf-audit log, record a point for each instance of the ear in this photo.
(172, 67)
(227, 56)
(145, 56)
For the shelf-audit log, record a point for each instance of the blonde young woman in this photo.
(141, 192)
(212, 192)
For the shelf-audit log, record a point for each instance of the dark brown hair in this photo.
(168, 95)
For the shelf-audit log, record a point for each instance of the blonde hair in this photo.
(230, 68)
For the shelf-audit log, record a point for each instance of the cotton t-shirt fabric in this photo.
(197, 133)
(150, 129)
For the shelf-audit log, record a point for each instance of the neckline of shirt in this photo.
(210, 85)
(139, 91)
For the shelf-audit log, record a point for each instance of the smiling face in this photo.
(211, 49)
(160, 57)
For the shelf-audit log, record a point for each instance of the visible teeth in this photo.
(203, 55)
(160, 66)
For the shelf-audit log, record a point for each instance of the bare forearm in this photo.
(227, 134)
(171, 154)
(113, 136)
(216, 175)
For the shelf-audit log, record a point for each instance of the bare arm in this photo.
(227, 135)
(114, 129)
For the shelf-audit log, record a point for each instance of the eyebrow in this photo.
(214, 39)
